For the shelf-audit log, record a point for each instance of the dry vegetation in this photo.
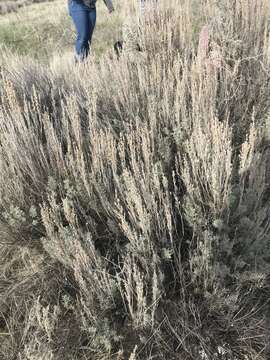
(134, 206)
(8, 6)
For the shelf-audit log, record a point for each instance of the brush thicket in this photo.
(134, 206)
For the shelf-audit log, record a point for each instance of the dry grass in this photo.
(11, 6)
(134, 208)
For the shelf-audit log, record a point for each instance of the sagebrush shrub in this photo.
(134, 208)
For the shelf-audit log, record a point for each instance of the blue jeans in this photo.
(84, 20)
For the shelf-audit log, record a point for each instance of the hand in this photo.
(111, 10)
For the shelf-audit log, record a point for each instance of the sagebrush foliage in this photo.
(134, 207)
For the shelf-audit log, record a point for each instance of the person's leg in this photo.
(142, 4)
(92, 15)
(147, 5)
(80, 16)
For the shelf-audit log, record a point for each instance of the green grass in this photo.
(39, 30)
(36, 30)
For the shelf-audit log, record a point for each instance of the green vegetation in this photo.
(40, 30)
(37, 30)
